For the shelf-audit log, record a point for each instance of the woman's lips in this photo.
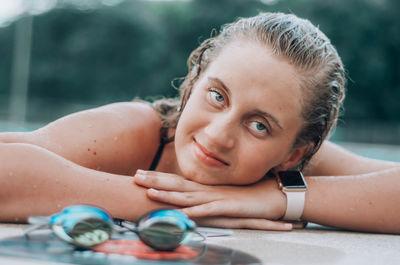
(208, 157)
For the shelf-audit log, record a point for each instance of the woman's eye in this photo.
(258, 127)
(216, 97)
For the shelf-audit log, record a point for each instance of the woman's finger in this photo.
(245, 223)
(165, 181)
(184, 199)
(219, 208)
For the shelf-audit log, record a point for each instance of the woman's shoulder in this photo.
(117, 137)
(132, 108)
(131, 114)
(135, 117)
(133, 133)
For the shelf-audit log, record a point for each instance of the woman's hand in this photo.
(252, 206)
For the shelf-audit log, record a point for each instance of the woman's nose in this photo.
(221, 132)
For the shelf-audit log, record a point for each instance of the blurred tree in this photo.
(6, 48)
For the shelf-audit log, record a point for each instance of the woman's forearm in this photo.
(35, 181)
(367, 202)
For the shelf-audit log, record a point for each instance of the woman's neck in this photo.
(168, 162)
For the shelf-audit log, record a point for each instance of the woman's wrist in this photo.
(277, 207)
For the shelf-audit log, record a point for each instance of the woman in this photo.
(259, 98)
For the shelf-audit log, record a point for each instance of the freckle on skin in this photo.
(88, 149)
(94, 140)
(94, 153)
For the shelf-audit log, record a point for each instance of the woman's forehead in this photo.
(252, 61)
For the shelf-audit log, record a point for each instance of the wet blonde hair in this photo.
(304, 46)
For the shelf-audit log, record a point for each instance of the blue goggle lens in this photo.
(82, 225)
(164, 229)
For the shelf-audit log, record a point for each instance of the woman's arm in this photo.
(35, 181)
(353, 192)
(334, 160)
(80, 158)
(365, 202)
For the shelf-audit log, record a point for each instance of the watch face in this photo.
(292, 179)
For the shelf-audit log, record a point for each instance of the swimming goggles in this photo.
(86, 226)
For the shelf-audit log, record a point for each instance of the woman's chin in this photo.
(204, 179)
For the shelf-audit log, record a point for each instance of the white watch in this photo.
(293, 184)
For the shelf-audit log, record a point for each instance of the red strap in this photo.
(142, 251)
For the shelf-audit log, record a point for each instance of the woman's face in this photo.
(241, 118)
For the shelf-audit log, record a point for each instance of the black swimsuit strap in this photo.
(163, 141)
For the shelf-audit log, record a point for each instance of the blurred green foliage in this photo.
(136, 48)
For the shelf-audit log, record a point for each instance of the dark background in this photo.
(86, 57)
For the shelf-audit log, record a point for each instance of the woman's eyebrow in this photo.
(219, 81)
(269, 116)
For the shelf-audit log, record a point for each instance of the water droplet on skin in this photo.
(58, 205)
(10, 174)
(16, 219)
(90, 125)
(115, 138)
(57, 180)
(34, 186)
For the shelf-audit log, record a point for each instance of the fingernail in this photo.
(153, 191)
(288, 226)
(140, 176)
(140, 171)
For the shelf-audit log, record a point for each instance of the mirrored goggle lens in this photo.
(86, 232)
(162, 235)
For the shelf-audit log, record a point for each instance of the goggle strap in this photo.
(32, 228)
(202, 236)
(44, 220)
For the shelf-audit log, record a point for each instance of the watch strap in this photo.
(294, 205)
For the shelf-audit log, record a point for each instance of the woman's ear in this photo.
(293, 158)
